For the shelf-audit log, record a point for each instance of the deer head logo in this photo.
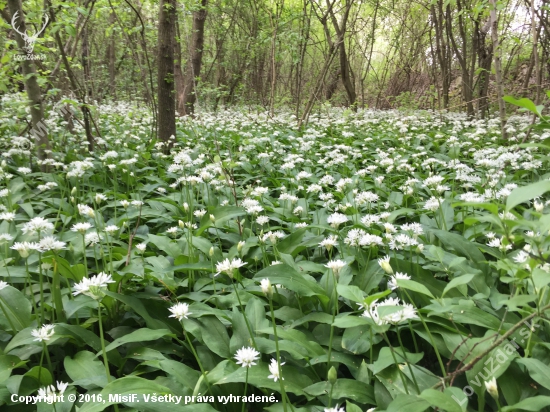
(29, 40)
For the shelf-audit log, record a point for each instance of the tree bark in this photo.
(195, 63)
(166, 98)
(498, 67)
(31, 85)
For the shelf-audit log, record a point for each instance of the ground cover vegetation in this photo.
(375, 260)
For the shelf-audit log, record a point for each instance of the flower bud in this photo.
(385, 265)
(491, 387)
(181, 224)
(240, 245)
(332, 375)
(212, 218)
(266, 287)
(211, 251)
(73, 191)
(186, 207)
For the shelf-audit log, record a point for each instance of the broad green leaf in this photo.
(85, 370)
(539, 371)
(290, 279)
(460, 280)
(535, 404)
(140, 335)
(414, 286)
(525, 193)
(15, 309)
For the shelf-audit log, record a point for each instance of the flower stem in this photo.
(283, 392)
(245, 388)
(244, 316)
(105, 361)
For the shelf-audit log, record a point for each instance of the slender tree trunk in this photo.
(195, 63)
(112, 59)
(178, 72)
(498, 68)
(31, 85)
(535, 53)
(166, 98)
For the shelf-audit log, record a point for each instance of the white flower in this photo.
(100, 197)
(111, 229)
(50, 395)
(50, 243)
(180, 311)
(172, 230)
(274, 370)
(227, 266)
(92, 238)
(199, 213)
(3, 284)
(336, 266)
(24, 248)
(329, 242)
(5, 237)
(521, 257)
(8, 216)
(247, 356)
(37, 224)
(93, 287)
(141, 247)
(86, 210)
(336, 219)
(81, 227)
(392, 283)
(44, 333)
(24, 170)
(432, 204)
(262, 220)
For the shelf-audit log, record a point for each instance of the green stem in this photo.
(244, 316)
(245, 388)
(105, 361)
(401, 374)
(407, 360)
(283, 392)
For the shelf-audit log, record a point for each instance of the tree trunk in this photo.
(31, 85)
(195, 63)
(178, 72)
(166, 100)
(498, 68)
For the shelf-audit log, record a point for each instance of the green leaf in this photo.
(16, 307)
(526, 193)
(215, 336)
(441, 400)
(291, 279)
(350, 292)
(539, 371)
(86, 371)
(460, 280)
(344, 388)
(414, 286)
(524, 103)
(385, 358)
(140, 335)
(535, 404)
(139, 308)
(409, 403)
